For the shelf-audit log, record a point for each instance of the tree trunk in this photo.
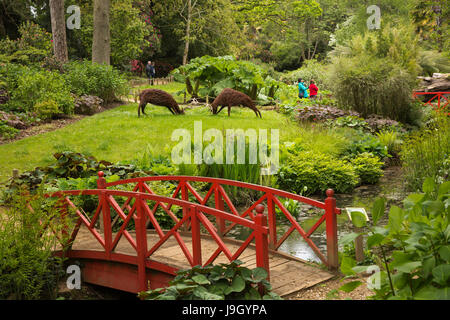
(188, 32)
(59, 30)
(101, 49)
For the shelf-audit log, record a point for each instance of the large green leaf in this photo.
(347, 265)
(348, 238)
(395, 219)
(204, 294)
(444, 252)
(259, 273)
(200, 279)
(433, 207)
(375, 240)
(350, 286)
(428, 185)
(441, 273)
(428, 265)
(444, 188)
(358, 219)
(408, 267)
(432, 293)
(378, 210)
(237, 285)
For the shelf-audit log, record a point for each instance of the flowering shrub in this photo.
(137, 67)
(33, 45)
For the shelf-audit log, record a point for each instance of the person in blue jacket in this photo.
(302, 89)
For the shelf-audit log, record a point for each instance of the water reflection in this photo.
(295, 245)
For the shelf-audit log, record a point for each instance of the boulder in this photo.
(87, 105)
(12, 120)
(439, 82)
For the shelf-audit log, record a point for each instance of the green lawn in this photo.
(119, 135)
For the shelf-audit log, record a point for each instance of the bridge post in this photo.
(261, 243)
(105, 217)
(185, 197)
(272, 215)
(331, 230)
(141, 244)
(219, 206)
(196, 239)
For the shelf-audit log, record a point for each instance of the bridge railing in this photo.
(440, 97)
(139, 211)
(270, 197)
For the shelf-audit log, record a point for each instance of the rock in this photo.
(12, 120)
(440, 82)
(87, 105)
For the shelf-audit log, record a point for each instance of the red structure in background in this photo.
(136, 208)
(440, 96)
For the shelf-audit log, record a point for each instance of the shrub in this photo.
(33, 45)
(37, 86)
(318, 172)
(7, 132)
(368, 168)
(87, 78)
(311, 70)
(220, 282)
(353, 122)
(391, 140)
(412, 250)
(46, 109)
(363, 143)
(28, 269)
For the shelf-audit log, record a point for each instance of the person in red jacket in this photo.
(313, 90)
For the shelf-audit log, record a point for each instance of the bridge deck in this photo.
(287, 274)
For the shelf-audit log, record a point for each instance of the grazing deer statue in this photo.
(229, 97)
(159, 98)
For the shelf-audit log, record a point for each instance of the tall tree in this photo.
(59, 30)
(101, 40)
(188, 19)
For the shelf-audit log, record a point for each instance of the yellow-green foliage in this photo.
(368, 167)
(46, 109)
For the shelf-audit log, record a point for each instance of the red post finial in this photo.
(330, 193)
(101, 181)
(259, 209)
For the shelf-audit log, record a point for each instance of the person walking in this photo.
(150, 70)
(302, 90)
(313, 89)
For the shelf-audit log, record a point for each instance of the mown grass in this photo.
(119, 135)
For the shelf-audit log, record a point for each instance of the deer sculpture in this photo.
(159, 98)
(229, 98)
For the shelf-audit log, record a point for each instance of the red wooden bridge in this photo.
(134, 258)
(437, 100)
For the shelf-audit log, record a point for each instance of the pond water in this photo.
(390, 186)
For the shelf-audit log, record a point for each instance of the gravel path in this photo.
(329, 290)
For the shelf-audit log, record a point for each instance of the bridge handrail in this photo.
(221, 181)
(270, 196)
